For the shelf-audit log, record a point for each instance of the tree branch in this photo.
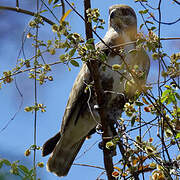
(165, 23)
(87, 165)
(93, 67)
(23, 11)
(170, 38)
(63, 7)
(17, 3)
(177, 2)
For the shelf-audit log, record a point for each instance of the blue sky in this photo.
(18, 136)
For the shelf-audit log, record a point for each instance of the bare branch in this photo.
(23, 11)
(50, 10)
(177, 2)
(63, 7)
(17, 4)
(159, 21)
(93, 67)
(87, 165)
(171, 38)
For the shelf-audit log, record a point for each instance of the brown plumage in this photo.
(79, 117)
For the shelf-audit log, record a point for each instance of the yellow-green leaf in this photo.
(72, 52)
(141, 26)
(143, 11)
(116, 67)
(24, 169)
(178, 135)
(55, 1)
(49, 1)
(74, 63)
(133, 52)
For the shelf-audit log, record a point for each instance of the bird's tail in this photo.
(50, 144)
(62, 158)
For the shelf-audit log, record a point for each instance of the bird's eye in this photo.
(112, 15)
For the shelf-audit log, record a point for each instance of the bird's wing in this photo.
(77, 98)
(76, 104)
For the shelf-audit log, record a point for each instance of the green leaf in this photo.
(1, 163)
(100, 27)
(172, 98)
(163, 99)
(74, 63)
(168, 101)
(133, 119)
(143, 11)
(33, 147)
(116, 67)
(52, 51)
(138, 103)
(133, 51)
(71, 52)
(24, 169)
(62, 57)
(45, 10)
(167, 86)
(31, 172)
(57, 5)
(110, 145)
(150, 22)
(89, 46)
(178, 110)
(167, 91)
(102, 56)
(178, 135)
(153, 28)
(139, 41)
(141, 26)
(177, 95)
(90, 41)
(55, 1)
(5, 161)
(49, 2)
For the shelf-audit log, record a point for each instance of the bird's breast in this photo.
(111, 80)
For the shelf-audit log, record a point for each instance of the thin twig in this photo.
(171, 38)
(35, 94)
(165, 23)
(63, 7)
(177, 2)
(26, 12)
(50, 11)
(87, 165)
(17, 4)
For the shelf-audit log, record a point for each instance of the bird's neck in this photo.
(124, 36)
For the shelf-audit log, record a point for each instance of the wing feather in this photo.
(78, 97)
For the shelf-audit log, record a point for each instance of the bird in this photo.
(80, 116)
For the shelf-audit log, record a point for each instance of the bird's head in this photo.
(122, 17)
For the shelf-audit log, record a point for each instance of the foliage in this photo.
(19, 169)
